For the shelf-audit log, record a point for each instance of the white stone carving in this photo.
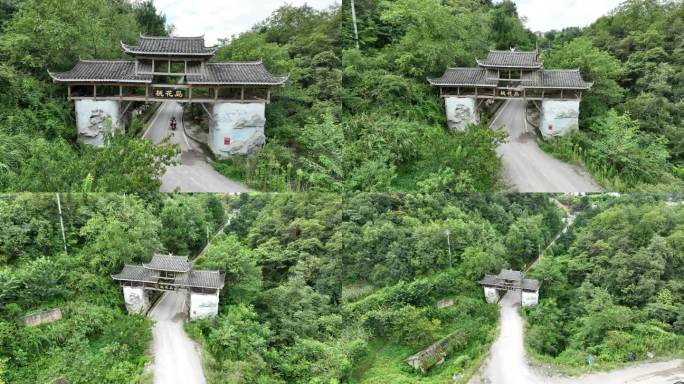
(491, 294)
(559, 117)
(136, 299)
(461, 111)
(93, 118)
(529, 298)
(237, 128)
(203, 305)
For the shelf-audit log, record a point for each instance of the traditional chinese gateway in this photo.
(234, 94)
(514, 75)
(509, 280)
(171, 273)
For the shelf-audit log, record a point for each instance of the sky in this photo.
(545, 15)
(217, 19)
(223, 18)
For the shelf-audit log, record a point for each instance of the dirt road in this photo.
(526, 167)
(507, 360)
(194, 174)
(176, 356)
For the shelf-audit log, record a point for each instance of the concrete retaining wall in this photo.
(559, 117)
(237, 128)
(461, 111)
(93, 118)
(43, 317)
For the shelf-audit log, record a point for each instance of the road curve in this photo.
(507, 360)
(176, 356)
(526, 167)
(194, 174)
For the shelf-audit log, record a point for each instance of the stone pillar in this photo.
(93, 118)
(491, 294)
(461, 111)
(237, 128)
(136, 299)
(530, 298)
(203, 305)
(559, 117)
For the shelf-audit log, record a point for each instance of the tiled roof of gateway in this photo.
(247, 73)
(554, 78)
(203, 279)
(136, 273)
(169, 263)
(531, 285)
(512, 59)
(102, 71)
(464, 77)
(561, 78)
(194, 279)
(170, 46)
(501, 281)
(508, 274)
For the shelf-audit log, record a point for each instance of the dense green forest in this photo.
(354, 119)
(613, 285)
(366, 119)
(329, 288)
(320, 288)
(38, 148)
(631, 123)
(632, 127)
(96, 342)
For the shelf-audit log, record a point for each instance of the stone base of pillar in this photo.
(237, 129)
(491, 295)
(529, 298)
(96, 117)
(136, 300)
(559, 117)
(461, 112)
(203, 305)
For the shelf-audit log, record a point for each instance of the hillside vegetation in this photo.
(96, 341)
(366, 120)
(328, 288)
(38, 148)
(614, 287)
(632, 122)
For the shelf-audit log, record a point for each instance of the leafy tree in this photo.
(596, 66)
(507, 28)
(151, 23)
(119, 234)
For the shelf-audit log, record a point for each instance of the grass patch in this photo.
(385, 363)
(577, 148)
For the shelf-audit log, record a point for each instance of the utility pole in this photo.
(61, 222)
(448, 233)
(356, 30)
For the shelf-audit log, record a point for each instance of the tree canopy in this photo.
(613, 287)
(37, 124)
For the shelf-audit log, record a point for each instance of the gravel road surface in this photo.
(507, 360)
(194, 174)
(176, 356)
(526, 167)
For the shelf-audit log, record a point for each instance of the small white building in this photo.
(509, 280)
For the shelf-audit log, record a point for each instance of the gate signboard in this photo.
(169, 93)
(505, 92)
